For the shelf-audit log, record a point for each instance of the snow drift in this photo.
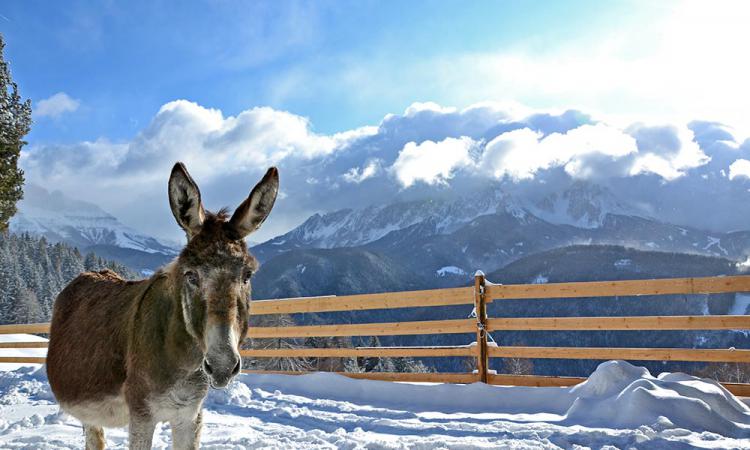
(620, 405)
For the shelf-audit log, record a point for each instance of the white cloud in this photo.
(431, 162)
(431, 146)
(661, 62)
(520, 154)
(56, 105)
(358, 175)
(667, 151)
(739, 168)
(418, 107)
(226, 153)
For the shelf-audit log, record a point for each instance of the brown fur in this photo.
(147, 344)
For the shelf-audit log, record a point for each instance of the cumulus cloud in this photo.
(56, 105)
(520, 154)
(406, 156)
(228, 152)
(432, 162)
(739, 168)
(358, 175)
(666, 150)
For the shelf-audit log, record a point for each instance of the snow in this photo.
(450, 270)
(58, 217)
(622, 263)
(540, 279)
(739, 307)
(714, 241)
(620, 405)
(35, 352)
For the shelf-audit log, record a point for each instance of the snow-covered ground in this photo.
(619, 406)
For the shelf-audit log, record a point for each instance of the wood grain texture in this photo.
(359, 351)
(386, 300)
(622, 323)
(633, 354)
(368, 329)
(666, 286)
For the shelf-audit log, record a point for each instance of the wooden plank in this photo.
(533, 380)
(739, 389)
(368, 329)
(637, 354)
(32, 328)
(622, 323)
(707, 285)
(358, 352)
(386, 300)
(23, 344)
(431, 377)
(22, 359)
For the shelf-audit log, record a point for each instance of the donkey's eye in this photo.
(192, 278)
(247, 276)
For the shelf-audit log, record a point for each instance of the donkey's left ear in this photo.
(249, 216)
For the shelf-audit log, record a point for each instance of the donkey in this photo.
(141, 352)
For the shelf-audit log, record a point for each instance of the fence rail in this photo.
(480, 295)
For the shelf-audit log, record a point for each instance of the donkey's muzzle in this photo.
(220, 373)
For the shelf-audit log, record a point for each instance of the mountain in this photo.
(61, 219)
(339, 271)
(444, 240)
(582, 204)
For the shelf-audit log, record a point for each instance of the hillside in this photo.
(331, 271)
(87, 226)
(33, 272)
(492, 228)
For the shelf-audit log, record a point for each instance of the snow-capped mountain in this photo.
(583, 205)
(86, 226)
(492, 228)
(356, 227)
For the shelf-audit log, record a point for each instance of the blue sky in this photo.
(363, 102)
(123, 60)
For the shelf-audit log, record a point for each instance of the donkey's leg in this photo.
(186, 432)
(141, 432)
(94, 437)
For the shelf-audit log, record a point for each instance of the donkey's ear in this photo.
(253, 211)
(185, 200)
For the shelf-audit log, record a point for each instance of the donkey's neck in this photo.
(160, 336)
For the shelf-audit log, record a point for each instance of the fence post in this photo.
(480, 307)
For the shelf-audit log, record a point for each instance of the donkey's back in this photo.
(88, 338)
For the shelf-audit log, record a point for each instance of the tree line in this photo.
(33, 271)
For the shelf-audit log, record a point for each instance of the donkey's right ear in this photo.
(185, 201)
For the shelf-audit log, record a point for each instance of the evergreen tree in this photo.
(32, 273)
(15, 123)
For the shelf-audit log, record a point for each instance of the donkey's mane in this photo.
(217, 223)
(220, 216)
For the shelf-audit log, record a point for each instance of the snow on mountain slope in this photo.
(355, 227)
(620, 405)
(582, 205)
(60, 218)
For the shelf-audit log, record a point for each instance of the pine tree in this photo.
(32, 273)
(15, 123)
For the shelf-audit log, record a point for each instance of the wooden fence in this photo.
(479, 296)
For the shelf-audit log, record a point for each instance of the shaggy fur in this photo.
(141, 352)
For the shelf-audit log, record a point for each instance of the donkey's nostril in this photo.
(237, 367)
(207, 367)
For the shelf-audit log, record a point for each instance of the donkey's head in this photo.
(213, 271)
